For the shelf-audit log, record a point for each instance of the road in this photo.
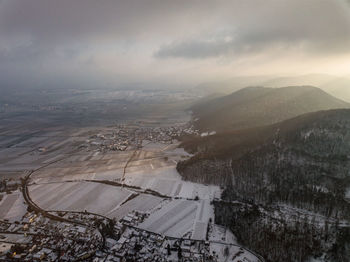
(49, 215)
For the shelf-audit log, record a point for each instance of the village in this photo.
(123, 137)
(37, 238)
(89, 237)
(108, 194)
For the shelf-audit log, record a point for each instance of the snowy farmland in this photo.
(180, 217)
(232, 253)
(174, 219)
(156, 170)
(66, 185)
(78, 196)
(142, 202)
(167, 181)
(12, 206)
(99, 198)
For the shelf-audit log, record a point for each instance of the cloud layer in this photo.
(159, 41)
(314, 26)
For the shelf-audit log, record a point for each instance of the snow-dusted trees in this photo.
(283, 239)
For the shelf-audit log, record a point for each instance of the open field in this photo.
(235, 253)
(142, 202)
(151, 167)
(174, 219)
(181, 217)
(106, 162)
(12, 206)
(26, 150)
(63, 170)
(78, 196)
(154, 167)
(85, 165)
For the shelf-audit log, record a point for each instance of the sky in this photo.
(111, 43)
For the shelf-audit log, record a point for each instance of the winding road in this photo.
(49, 214)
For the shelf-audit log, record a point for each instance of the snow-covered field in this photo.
(142, 202)
(167, 181)
(61, 186)
(176, 218)
(78, 196)
(204, 213)
(93, 197)
(12, 206)
(89, 166)
(232, 253)
(180, 217)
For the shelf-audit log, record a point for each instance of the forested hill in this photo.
(257, 106)
(277, 162)
(276, 179)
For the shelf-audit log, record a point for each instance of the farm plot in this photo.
(142, 203)
(154, 147)
(78, 196)
(204, 213)
(73, 169)
(164, 186)
(12, 207)
(232, 253)
(167, 181)
(33, 142)
(54, 175)
(173, 219)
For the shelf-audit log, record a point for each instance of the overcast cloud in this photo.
(111, 42)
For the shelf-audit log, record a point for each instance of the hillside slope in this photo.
(339, 88)
(257, 106)
(277, 179)
(265, 163)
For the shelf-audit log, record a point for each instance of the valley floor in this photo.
(72, 174)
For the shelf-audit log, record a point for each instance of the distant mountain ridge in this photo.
(333, 85)
(257, 106)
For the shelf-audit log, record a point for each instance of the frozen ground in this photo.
(107, 200)
(155, 168)
(64, 183)
(12, 206)
(204, 213)
(142, 202)
(232, 253)
(152, 167)
(173, 219)
(78, 196)
(15, 238)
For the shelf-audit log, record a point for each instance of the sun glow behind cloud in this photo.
(177, 42)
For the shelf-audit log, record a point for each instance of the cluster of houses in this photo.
(8, 185)
(142, 246)
(42, 239)
(135, 244)
(122, 137)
